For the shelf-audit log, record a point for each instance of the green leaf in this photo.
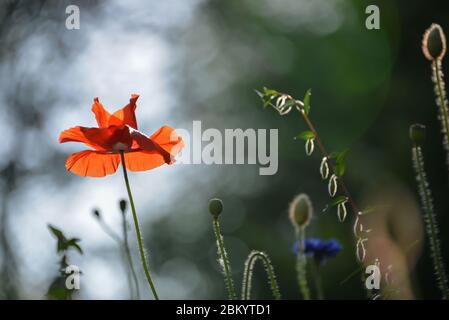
(307, 101)
(305, 135)
(339, 169)
(336, 202)
(341, 156)
(270, 92)
(339, 162)
(56, 232)
(266, 95)
(74, 243)
(61, 239)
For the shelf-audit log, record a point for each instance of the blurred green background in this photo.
(368, 87)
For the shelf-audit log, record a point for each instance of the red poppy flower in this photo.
(115, 133)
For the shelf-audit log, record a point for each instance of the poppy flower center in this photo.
(120, 146)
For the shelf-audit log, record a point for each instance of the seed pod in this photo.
(434, 43)
(300, 211)
(324, 168)
(215, 207)
(341, 211)
(332, 185)
(310, 145)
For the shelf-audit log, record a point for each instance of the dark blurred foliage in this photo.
(368, 87)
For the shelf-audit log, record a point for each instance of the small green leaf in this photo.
(61, 239)
(270, 92)
(56, 232)
(307, 101)
(266, 95)
(341, 156)
(305, 135)
(339, 169)
(74, 243)
(339, 162)
(336, 202)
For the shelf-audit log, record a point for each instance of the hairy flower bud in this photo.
(123, 204)
(300, 211)
(434, 43)
(96, 213)
(215, 207)
(417, 134)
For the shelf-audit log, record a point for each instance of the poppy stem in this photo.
(128, 255)
(138, 233)
(224, 260)
(248, 274)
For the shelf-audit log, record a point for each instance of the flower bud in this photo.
(434, 43)
(300, 211)
(215, 207)
(123, 204)
(417, 134)
(332, 185)
(310, 146)
(96, 213)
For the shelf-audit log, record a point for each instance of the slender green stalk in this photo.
(430, 221)
(248, 274)
(437, 77)
(128, 255)
(301, 265)
(105, 227)
(138, 233)
(318, 280)
(109, 231)
(224, 260)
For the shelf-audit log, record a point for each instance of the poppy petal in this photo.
(101, 114)
(169, 140)
(126, 115)
(78, 134)
(143, 160)
(101, 139)
(143, 142)
(90, 163)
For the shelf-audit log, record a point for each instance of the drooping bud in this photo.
(360, 249)
(96, 213)
(417, 134)
(123, 204)
(434, 43)
(332, 185)
(324, 168)
(215, 207)
(341, 211)
(300, 211)
(310, 146)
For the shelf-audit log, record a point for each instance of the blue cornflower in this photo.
(319, 249)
